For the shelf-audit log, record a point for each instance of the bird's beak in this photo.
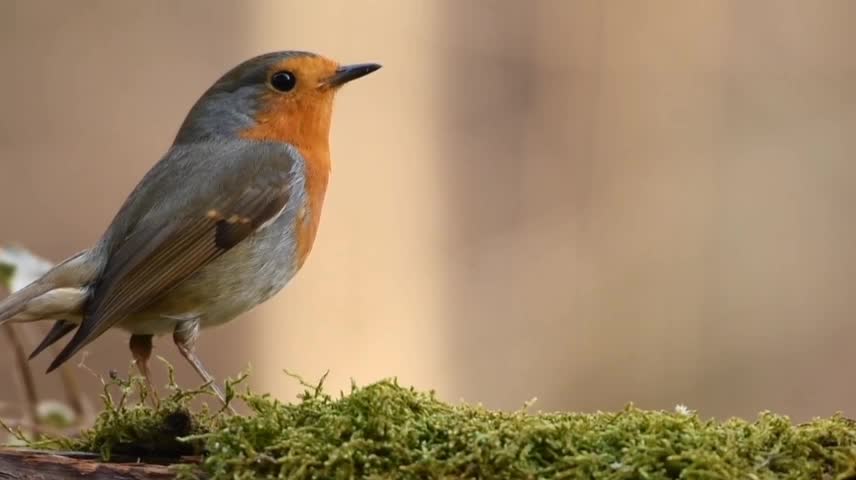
(346, 73)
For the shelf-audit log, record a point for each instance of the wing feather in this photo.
(174, 241)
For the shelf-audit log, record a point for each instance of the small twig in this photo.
(35, 427)
(83, 411)
(74, 395)
(25, 375)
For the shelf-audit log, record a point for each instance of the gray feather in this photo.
(230, 105)
(224, 191)
(76, 272)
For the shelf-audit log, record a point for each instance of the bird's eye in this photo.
(283, 81)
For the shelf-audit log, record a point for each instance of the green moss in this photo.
(384, 430)
(130, 424)
(7, 271)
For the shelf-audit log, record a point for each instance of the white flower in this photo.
(27, 266)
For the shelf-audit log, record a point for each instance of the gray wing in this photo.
(239, 190)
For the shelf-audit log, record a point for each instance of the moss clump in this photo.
(129, 426)
(385, 431)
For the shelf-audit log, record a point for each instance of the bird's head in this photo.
(282, 96)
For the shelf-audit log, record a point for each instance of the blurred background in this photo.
(588, 202)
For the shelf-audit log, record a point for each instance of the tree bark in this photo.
(25, 464)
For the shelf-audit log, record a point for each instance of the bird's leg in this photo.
(185, 335)
(141, 349)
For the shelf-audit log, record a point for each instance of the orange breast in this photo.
(305, 124)
(317, 176)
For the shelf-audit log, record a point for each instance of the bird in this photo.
(218, 225)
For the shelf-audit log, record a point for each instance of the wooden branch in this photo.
(25, 464)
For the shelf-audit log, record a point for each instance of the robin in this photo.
(219, 225)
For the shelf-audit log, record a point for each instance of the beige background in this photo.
(591, 203)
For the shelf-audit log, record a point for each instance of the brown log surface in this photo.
(25, 464)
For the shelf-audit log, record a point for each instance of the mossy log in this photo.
(385, 431)
(26, 464)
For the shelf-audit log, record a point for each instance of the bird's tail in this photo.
(59, 292)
